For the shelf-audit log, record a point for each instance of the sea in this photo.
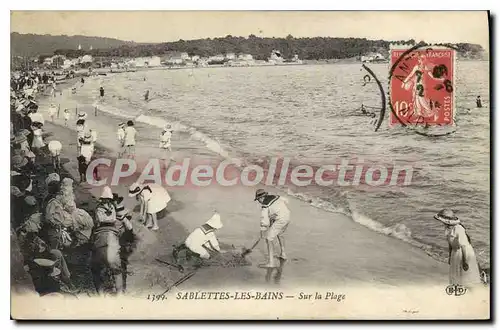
(311, 114)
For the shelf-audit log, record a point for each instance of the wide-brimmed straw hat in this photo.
(121, 125)
(215, 221)
(24, 132)
(47, 263)
(82, 115)
(30, 200)
(134, 189)
(447, 217)
(107, 193)
(260, 193)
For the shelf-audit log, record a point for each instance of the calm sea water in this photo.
(308, 113)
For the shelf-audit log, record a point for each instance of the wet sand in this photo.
(325, 249)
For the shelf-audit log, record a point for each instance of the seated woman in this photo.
(34, 249)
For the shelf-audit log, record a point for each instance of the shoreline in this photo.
(191, 207)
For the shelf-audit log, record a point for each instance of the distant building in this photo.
(216, 58)
(185, 56)
(86, 59)
(56, 60)
(245, 57)
(373, 57)
(195, 58)
(276, 56)
(142, 62)
(231, 56)
(68, 63)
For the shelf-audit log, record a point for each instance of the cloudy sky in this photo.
(159, 26)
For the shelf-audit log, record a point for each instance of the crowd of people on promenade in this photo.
(45, 219)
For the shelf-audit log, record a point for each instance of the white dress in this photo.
(458, 239)
(52, 111)
(87, 150)
(156, 200)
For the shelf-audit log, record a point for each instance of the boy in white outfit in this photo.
(203, 240)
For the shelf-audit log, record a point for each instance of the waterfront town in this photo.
(169, 60)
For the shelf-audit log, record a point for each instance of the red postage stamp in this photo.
(422, 86)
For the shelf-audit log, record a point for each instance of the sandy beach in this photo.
(344, 252)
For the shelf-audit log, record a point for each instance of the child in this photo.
(37, 143)
(82, 168)
(81, 129)
(130, 134)
(52, 111)
(121, 139)
(55, 150)
(165, 138)
(66, 116)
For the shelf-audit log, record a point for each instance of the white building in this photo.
(68, 64)
(216, 58)
(231, 56)
(184, 56)
(245, 57)
(374, 57)
(86, 59)
(142, 62)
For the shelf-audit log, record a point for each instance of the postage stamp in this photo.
(422, 86)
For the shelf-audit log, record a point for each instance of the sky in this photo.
(163, 26)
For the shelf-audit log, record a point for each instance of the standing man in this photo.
(275, 217)
(129, 141)
(101, 92)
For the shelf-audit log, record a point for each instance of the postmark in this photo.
(422, 85)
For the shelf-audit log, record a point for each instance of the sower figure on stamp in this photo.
(416, 82)
(275, 217)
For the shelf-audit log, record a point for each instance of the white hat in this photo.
(134, 189)
(82, 115)
(107, 193)
(215, 221)
(447, 217)
(167, 127)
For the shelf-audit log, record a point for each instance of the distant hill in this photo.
(36, 44)
(260, 48)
